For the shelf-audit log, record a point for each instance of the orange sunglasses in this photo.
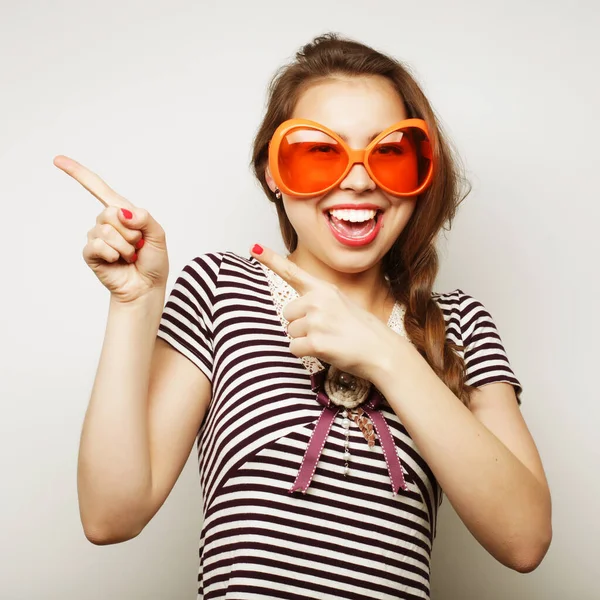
(308, 159)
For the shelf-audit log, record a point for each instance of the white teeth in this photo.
(353, 215)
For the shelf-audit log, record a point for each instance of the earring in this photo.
(278, 193)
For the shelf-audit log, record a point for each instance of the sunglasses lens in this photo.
(402, 160)
(310, 161)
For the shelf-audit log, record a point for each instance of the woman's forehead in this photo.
(356, 108)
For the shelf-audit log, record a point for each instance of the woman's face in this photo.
(357, 109)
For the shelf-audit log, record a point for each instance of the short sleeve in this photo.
(187, 319)
(485, 357)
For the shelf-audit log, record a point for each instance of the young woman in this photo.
(334, 395)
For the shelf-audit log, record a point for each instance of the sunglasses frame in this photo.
(355, 156)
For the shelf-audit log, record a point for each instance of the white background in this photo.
(153, 95)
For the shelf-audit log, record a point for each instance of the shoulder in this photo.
(467, 319)
(208, 263)
(456, 300)
(218, 269)
(450, 305)
(470, 324)
(214, 262)
(461, 309)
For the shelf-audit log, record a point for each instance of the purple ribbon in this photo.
(323, 426)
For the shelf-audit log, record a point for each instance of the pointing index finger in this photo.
(90, 181)
(289, 271)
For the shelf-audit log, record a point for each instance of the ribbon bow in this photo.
(323, 426)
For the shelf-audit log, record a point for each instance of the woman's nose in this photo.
(358, 180)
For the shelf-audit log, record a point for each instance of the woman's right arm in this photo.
(146, 407)
(148, 400)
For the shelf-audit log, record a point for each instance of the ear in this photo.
(270, 181)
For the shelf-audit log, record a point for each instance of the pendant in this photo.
(345, 389)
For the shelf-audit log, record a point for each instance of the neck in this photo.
(368, 288)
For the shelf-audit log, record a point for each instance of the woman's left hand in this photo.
(326, 324)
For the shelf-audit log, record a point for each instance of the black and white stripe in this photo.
(346, 537)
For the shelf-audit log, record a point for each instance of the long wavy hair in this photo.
(412, 262)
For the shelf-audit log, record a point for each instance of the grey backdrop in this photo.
(142, 93)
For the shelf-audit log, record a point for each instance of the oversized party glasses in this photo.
(308, 159)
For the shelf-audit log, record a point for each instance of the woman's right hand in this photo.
(127, 253)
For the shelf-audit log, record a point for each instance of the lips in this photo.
(362, 205)
(357, 234)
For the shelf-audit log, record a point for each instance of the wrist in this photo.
(152, 296)
(147, 306)
(393, 362)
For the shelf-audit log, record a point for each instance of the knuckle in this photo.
(96, 245)
(107, 215)
(109, 253)
(107, 231)
(112, 256)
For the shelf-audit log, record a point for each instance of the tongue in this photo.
(349, 229)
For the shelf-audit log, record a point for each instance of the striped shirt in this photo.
(348, 536)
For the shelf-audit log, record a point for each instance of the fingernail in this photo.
(140, 244)
(134, 258)
(127, 213)
(256, 249)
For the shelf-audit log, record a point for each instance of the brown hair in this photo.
(412, 262)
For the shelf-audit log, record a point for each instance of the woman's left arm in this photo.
(484, 457)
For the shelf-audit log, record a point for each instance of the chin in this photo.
(345, 260)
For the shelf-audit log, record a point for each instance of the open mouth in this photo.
(354, 227)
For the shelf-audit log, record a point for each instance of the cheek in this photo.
(301, 213)
(400, 214)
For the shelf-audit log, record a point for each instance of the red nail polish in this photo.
(257, 249)
(127, 213)
(140, 243)
(134, 258)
